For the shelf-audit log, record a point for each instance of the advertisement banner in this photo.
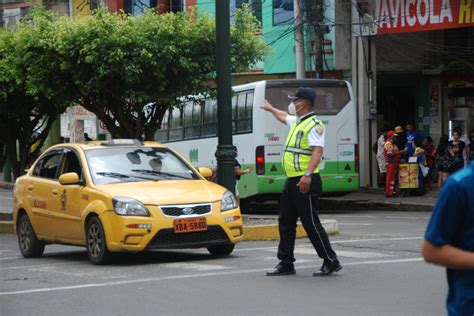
(378, 17)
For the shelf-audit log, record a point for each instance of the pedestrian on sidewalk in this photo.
(443, 160)
(466, 153)
(456, 149)
(430, 154)
(449, 240)
(392, 159)
(300, 197)
(380, 157)
(238, 173)
(411, 135)
(421, 161)
(400, 140)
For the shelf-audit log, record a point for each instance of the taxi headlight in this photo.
(128, 206)
(228, 201)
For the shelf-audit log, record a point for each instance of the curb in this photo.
(270, 232)
(342, 205)
(6, 185)
(6, 227)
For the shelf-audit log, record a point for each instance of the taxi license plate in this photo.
(187, 225)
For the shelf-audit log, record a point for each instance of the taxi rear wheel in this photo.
(221, 250)
(96, 245)
(30, 246)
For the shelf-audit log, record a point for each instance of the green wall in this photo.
(281, 59)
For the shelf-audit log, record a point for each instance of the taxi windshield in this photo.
(132, 164)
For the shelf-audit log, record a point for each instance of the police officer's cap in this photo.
(304, 93)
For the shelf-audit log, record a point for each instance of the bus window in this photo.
(249, 104)
(162, 134)
(176, 124)
(209, 127)
(192, 120)
(329, 99)
(234, 114)
(244, 112)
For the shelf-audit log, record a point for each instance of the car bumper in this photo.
(136, 233)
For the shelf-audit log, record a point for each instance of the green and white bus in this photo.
(259, 137)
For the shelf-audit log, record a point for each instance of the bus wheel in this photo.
(221, 250)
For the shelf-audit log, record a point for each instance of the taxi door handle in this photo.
(30, 188)
(55, 192)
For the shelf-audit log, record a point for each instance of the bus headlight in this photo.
(228, 201)
(127, 206)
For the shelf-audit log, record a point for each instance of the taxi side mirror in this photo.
(205, 172)
(69, 178)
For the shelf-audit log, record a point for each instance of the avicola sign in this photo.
(373, 17)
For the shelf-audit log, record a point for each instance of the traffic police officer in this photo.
(300, 197)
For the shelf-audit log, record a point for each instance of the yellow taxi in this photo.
(122, 195)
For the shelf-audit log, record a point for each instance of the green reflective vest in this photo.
(297, 152)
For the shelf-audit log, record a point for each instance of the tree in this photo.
(129, 70)
(28, 106)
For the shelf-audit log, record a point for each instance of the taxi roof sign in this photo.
(122, 142)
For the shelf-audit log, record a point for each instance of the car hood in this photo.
(166, 191)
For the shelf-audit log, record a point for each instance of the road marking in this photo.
(344, 253)
(9, 258)
(32, 266)
(401, 217)
(7, 250)
(382, 261)
(194, 266)
(298, 261)
(351, 216)
(360, 255)
(6, 198)
(335, 242)
(355, 224)
(188, 276)
(374, 239)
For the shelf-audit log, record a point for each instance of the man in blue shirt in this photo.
(410, 136)
(449, 239)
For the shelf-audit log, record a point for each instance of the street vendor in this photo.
(392, 159)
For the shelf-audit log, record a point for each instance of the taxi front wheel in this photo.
(96, 245)
(30, 246)
(221, 250)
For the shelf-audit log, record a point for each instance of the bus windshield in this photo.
(331, 97)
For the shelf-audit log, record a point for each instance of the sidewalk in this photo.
(374, 199)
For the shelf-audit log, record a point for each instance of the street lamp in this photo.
(226, 151)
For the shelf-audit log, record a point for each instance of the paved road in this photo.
(6, 200)
(383, 274)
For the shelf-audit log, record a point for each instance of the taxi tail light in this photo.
(356, 158)
(260, 160)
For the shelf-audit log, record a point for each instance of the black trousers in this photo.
(294, 204)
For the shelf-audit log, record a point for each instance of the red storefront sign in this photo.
(373, 17)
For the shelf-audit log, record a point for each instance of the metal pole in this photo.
(299, 40)
(226, 152)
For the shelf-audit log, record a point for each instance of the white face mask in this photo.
(292, 109)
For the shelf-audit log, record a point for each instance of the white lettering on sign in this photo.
(398, 13)
(446, 11)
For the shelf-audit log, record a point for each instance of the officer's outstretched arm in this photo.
(279, 114)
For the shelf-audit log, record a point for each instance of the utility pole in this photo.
(226, 151)
(299, 39)
(316, 18)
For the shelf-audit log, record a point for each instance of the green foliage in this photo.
(32, 88)
(127, 70)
